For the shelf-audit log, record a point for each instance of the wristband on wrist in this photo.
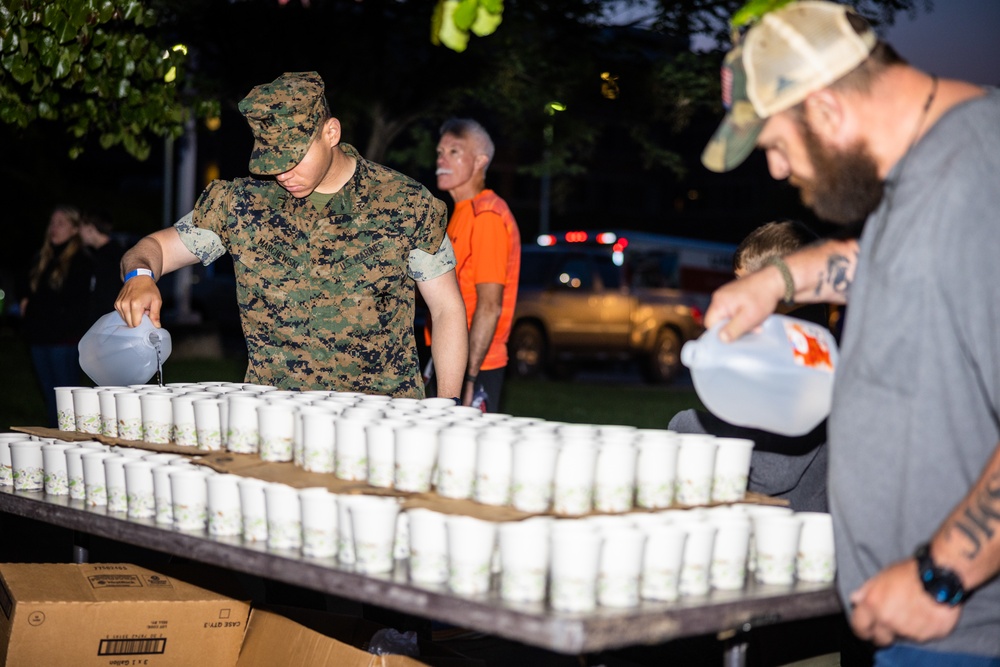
(471, 378)
(138, 272)
(786, 275)
(457, 400)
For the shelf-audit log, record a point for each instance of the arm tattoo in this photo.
(835, 275)
(978, 522)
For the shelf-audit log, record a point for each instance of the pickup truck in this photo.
(580, 303)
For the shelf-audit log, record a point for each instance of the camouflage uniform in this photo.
(326, 297)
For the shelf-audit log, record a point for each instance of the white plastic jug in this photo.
(779, 379)
(112, 353)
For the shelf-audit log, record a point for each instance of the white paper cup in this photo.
(189, 497)
(27, 465)
(471, 543)
(656, 469)
(494, 464)
(208, 423)
(415, 452)
(620, 567)
(533, 473)
(184, 429)
(319, 522)
(732, 469)
(816, 558)
(253, 508)
(456, 464)
(6, 471)
(573, 485)
(157, 417)
(428, 546)
(242, 433)
(380, 439)
(373, 527)
(776, 539)
(128, 410)
(524, 559)
(114, 482)
(729, 551)
(318, 440)
(55, 478)
(436, 402)
(93, 477)
(755, 512)
(139, 489)
(614, 476)
(86, 410)
(74, 470)
(162, 495)
(696, 565)
(109, 415)
(351, 452)
(695, 469)
(276, 424)
(284, 516)
(576, 557)
(65, 412)
(662, 561)
(223, 505)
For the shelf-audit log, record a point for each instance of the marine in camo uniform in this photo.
(327, 248)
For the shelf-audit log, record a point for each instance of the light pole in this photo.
(548, 135)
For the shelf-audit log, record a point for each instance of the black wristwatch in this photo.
(940, 583)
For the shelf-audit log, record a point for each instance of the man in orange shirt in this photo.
(487, 247)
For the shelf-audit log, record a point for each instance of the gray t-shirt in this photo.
(917, 396)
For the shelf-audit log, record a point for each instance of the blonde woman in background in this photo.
(54, 312)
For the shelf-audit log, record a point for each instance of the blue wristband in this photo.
(138, 272)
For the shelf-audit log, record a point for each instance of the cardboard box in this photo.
(113, 614)
(273, 638)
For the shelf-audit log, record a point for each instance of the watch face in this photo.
(942, 584)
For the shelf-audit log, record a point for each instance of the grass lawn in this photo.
(646, 406)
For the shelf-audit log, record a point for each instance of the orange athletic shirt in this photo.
(487, 247)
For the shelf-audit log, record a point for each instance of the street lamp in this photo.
(548, 136)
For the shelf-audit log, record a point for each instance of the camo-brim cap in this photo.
(737, 134)
(284, 116)
(787, 55)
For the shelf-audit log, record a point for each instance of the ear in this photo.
(331, 131)
(480, 162)
(826, 114)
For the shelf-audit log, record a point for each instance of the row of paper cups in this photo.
(575, 563)
(416, 445)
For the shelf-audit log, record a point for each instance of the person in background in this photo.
(54, 312)
(791, 468)
(487, 245)
(914, 477)
(327, 248)
(106, 253)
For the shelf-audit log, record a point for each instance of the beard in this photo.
(846, 186)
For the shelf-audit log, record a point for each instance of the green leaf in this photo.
(451, 36)
(66, 60)
(47, 111)
(486, 23)
(10, 39)
(492, 6)
(465, 14)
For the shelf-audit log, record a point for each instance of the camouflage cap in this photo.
(283, 116)
(788, 54)
(737, 134)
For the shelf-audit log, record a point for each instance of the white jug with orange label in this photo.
(778, 379)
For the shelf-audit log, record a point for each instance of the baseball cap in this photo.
(789, 53)
(283, 116)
